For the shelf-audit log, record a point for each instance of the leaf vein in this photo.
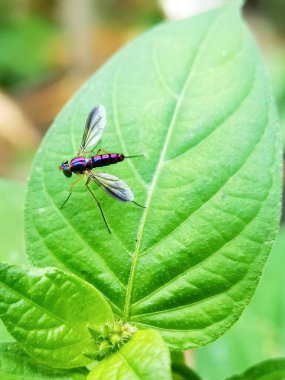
(205, 202)
(46, 311)
(214, 253)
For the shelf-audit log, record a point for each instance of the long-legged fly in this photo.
(82, 165)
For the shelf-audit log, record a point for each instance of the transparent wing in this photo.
(94, 128)
(113, 186)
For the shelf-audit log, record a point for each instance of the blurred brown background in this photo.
(49, 48)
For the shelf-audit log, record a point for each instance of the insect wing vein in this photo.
(94, 128)
(115, 187)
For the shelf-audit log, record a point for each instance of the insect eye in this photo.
(66, 170)
(67, 173)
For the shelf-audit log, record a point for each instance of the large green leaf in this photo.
(193, 97)
(145, 356)
(49, 312)
(260, 332)
(15, 364)
(270, 370)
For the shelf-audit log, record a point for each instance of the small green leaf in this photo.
(15, 364)
(49, 311)
(194, 98)
(269, 370)
(145, 356)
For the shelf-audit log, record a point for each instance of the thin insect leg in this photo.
(137, 204)
(70, 189)
(98, 204)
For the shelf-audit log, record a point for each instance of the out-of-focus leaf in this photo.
(145, 356)
(11, 230)
(180, 371)
(25, 48)
(183, 372)
(11, 222)
(16, 364)
(277, 69)
(268, 370)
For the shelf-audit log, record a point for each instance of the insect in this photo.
(82, 165)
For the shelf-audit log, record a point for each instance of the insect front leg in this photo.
(98, 204)
(70, 190)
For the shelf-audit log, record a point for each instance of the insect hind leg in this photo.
(137, 204)
(98, 204)
(70, 191)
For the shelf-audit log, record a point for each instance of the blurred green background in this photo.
(48, 49)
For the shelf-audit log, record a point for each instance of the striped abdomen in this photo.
(80, 164)
(106, 159)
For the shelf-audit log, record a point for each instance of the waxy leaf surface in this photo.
(15, 364)
(144, 357)
(193, 97)
(48, 312)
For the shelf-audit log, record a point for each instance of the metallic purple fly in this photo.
(81, 165)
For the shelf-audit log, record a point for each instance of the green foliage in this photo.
(180, 371)
(193, 97)
(15, 364)
(260, 332)
(49, 313)
(11, 227)
(145, 356)
(11, 230)
(25, 45)
(269, 370)
(183, 372)
(277, 69)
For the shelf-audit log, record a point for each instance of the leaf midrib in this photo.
(157, 170)
(206, 201)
